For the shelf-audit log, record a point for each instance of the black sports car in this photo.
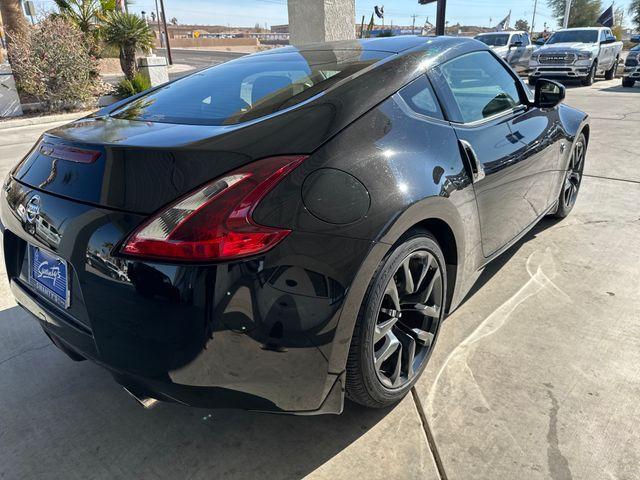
(288, 226)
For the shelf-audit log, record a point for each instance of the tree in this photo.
(129, 33)
(85, 14)
(522, 25)
(584, 13)
(634, 11)
(51, 63)
(12, 18)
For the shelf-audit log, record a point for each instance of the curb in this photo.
(43, 120)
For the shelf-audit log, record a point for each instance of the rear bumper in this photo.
(257, 334)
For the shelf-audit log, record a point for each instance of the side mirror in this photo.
(540, 41)
(548, 93)
(609, 40)
(516, 44)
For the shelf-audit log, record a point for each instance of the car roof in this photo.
(517, 32)
(581, 28)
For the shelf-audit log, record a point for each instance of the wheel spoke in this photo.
(382, 329)
(392, 292)
(408, 278)
(422, 336)
(432, 283)
(425, 269)
(427, 310)
(391, 345)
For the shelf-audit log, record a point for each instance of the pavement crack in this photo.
(612, 178)
(429, 434)
(33, 349)
(556, 461)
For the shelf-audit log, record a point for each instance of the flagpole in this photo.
(533, 20)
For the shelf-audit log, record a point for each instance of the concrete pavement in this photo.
(536, 375)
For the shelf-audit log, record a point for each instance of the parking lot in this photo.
(536, 375)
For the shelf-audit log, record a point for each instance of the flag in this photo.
(379, 11)
(606, 19)
(504, 24)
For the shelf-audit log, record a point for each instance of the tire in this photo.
(410, 325)
(591, 78)
(572, 179)
(611, 73)
(628, 82)
(533, 81)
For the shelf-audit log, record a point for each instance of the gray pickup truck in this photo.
(577, 53)
(632, 67)
(514, 47)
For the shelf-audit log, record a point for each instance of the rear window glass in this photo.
(248, 88)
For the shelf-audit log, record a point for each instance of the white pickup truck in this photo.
(577, 53)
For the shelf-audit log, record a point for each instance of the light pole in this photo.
(567, 11)
(166, 32)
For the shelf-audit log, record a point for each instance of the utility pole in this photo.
(567, 12)
(166, 32)
(441, 14)
(413, 25)
(533, 20)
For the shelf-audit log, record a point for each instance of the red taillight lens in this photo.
(214, 223)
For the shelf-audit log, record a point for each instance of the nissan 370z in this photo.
(290, 227)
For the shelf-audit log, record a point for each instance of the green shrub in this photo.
(52, 63)
(129, 87)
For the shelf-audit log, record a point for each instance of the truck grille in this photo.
(557, 58)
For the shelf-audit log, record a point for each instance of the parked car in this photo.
(294, 224)
(513, 47)
(577, 53)
(632, 67)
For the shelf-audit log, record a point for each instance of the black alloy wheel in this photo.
(398, 324)
(573, 178)
(407, 319)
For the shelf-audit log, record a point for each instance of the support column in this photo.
(9, 99)
(313, 21)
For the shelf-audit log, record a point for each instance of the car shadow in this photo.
(496, 265)
(83, 425)
(621, 89)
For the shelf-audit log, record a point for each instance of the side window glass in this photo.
(481, 87)
(516, 38)
(421, 99)
(603, 35)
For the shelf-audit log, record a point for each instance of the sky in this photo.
(274, 12)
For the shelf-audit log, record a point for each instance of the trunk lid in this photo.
(131, 165)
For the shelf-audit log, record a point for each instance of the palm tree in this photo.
(129, 33)
(85, 14)
(12, 17)
(634, 11)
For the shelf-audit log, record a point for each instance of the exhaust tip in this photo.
(146, 402)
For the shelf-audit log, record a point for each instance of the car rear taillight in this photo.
(215, 222)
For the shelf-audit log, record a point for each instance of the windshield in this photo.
(574, 36)
(248, 88)
(494, 40)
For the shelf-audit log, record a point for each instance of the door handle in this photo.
(477, 169)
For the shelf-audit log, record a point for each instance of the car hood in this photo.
(567, 47)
